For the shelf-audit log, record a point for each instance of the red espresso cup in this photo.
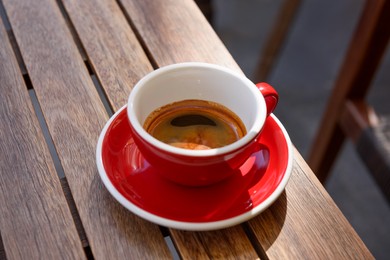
(195, 80)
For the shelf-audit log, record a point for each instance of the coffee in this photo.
(195, 124)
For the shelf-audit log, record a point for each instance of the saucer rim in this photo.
(184, 225)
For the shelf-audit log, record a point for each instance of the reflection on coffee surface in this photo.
(195, 125)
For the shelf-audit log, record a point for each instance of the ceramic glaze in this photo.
(195, 80)
(138, 186)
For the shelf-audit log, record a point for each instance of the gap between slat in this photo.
(80, 47)
(74, 212)
(12, 40)
(165, 231)
(4, 17)
(2, 250)
(64, 184)
(17, 53)
(89, 67)
(45, 131)
(151, 59)
(102, 95)
(168, 240)
(75, 37)
(110, 112)
(59, 170)
(88, 253)
(47, 137)
(255, 244)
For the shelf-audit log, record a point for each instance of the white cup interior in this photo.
(197, 81)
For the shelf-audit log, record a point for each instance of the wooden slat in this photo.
(176, 31)
(170, 41)
(229, 243)
(2, 251)
(75, 116)
(35, 220)
(111, 46)
(74, 212)
(171, 35)
(97, 39)
(306, 224)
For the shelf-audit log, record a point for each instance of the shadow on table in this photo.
(264, 229)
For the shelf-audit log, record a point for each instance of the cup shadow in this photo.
(264, 229)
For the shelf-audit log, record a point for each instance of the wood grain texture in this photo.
(35, 221)
(176, 31)
(170, 42)
(304, 223)
(112, 48)
(231, 243)
(75, 116)
(107, 33)
(171, 35)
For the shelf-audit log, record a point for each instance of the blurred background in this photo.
(304, 74)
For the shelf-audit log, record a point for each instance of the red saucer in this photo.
(138, 186)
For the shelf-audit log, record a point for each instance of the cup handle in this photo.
(270, 95)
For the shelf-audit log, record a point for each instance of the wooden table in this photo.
(73, 56)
